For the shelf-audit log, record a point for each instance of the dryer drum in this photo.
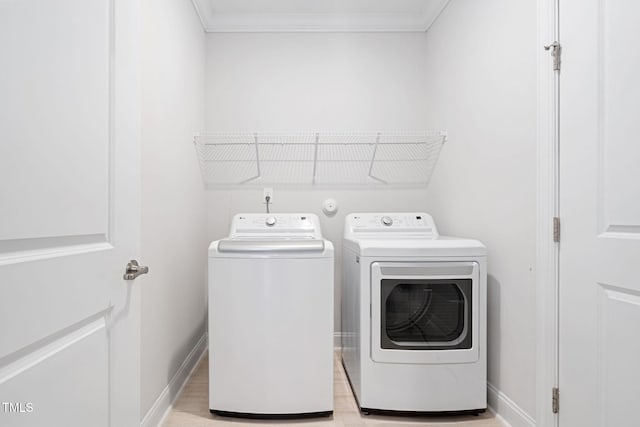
(432, 314)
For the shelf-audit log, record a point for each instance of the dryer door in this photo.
(424, 312)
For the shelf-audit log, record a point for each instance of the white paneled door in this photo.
(599, 374)
(69, 191)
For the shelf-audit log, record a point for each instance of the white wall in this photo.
(173, 207)
(324, 82)
(482, 89)
(311, 81)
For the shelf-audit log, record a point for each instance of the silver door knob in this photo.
(386, 220)
(270, 221)
(133, 270)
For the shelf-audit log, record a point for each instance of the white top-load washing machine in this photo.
(413, 315)
(271, 318)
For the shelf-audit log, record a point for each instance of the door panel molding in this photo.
(621, 232)
(617, 97)
(34, 249)
(60, 127)
(618, 371)
(22, 360)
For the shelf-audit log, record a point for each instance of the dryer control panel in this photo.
(382, 225)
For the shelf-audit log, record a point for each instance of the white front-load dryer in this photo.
(413, 315)
(271, 318)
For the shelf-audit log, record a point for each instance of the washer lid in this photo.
(273, 236)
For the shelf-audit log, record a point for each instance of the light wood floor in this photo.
(192, 409)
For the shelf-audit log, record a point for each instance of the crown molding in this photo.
(431, 18)
(199, 6)
(316, 22)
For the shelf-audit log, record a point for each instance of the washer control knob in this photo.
(270, 221)
(386, 220)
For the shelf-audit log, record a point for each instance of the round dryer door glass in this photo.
(425, 314)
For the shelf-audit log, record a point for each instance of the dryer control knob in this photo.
(386, 220)
(270, 221)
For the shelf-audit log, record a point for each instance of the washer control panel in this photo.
(275, 226)
(419, 224)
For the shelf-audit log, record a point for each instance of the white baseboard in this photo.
(506, 410)
(163, 404)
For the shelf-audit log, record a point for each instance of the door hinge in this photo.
(556, 229)
(555, 400)
(556, 53)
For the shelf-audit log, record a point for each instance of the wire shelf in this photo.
(317, 158)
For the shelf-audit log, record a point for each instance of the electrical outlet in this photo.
(267, 192)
